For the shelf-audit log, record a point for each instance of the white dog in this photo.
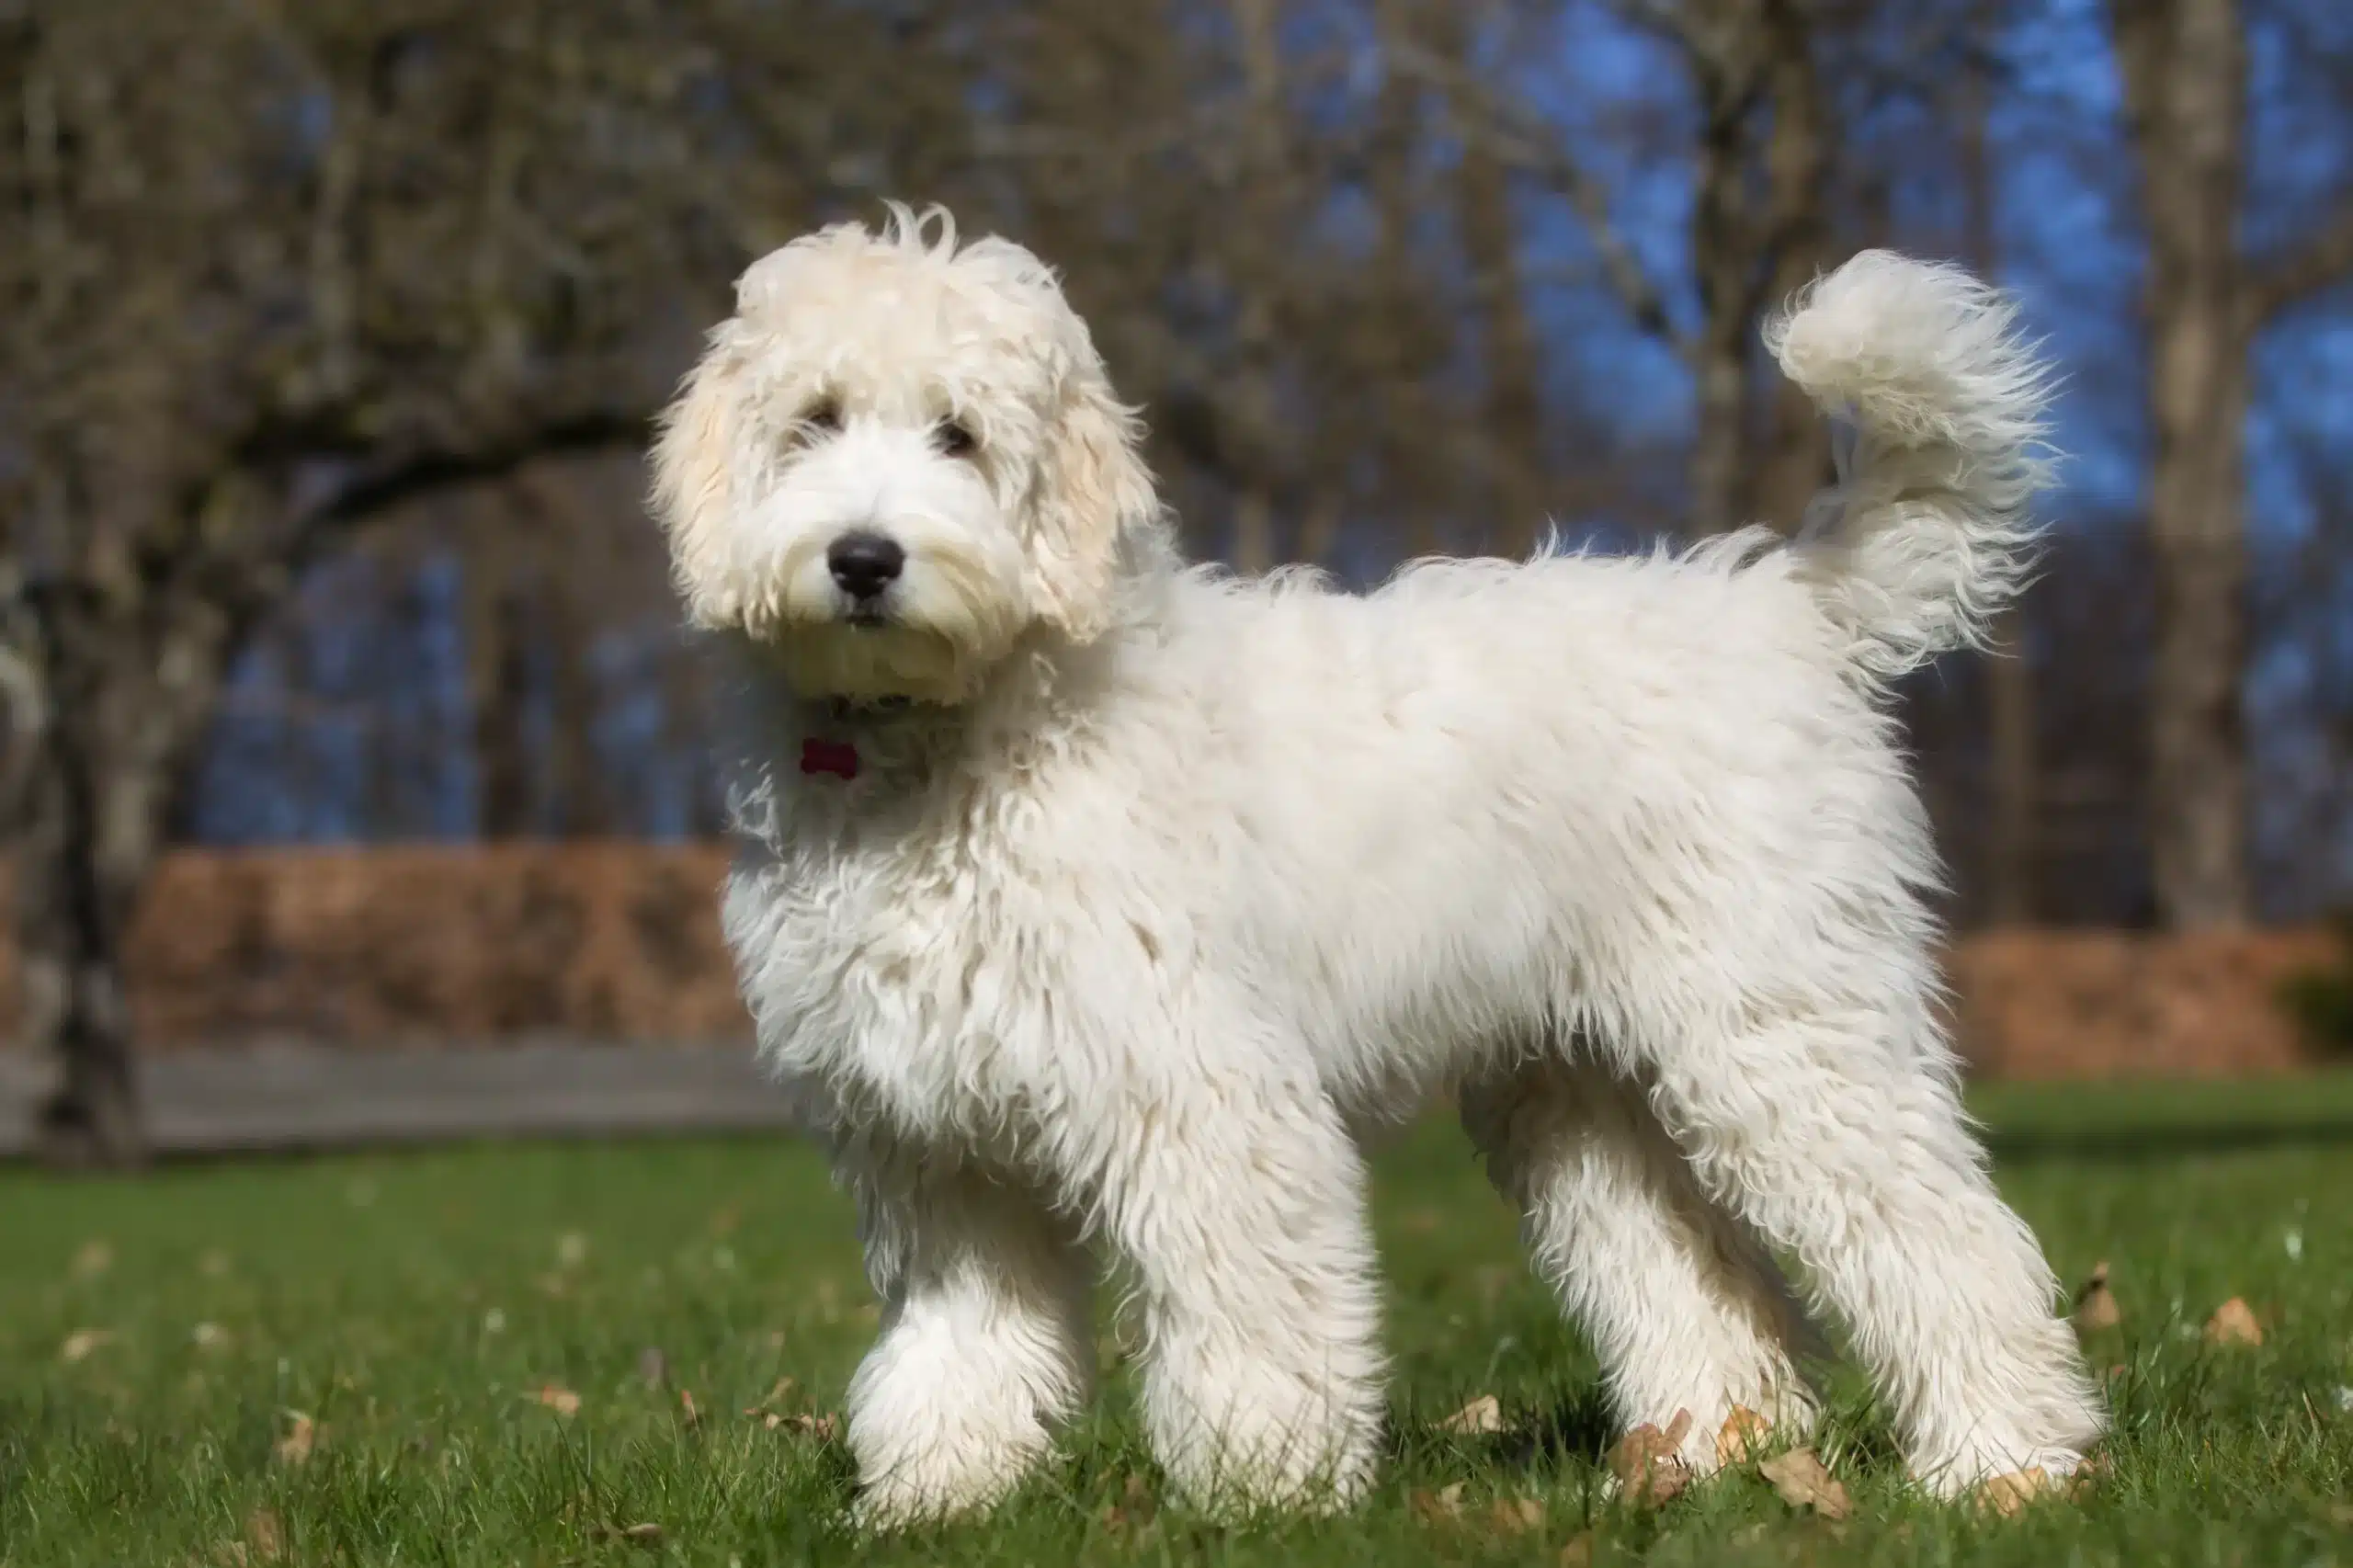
(1093, 899)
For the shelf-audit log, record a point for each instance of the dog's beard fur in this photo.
(956, 610)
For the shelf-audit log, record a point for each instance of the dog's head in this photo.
(898, 457)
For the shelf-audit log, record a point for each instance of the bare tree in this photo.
(278, 273)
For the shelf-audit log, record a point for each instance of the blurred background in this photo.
(349, 724)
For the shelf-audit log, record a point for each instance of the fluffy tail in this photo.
(1927, 535)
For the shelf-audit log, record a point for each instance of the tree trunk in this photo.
(498, 682)
(1512, 409)
(1407, 352)
(2184, 67)
(1790, 461)
(2013, 840)
(1718, 356)
(128, 684)
(1255, 277)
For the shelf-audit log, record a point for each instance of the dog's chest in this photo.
(894, 980)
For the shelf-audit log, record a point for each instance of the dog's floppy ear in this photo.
(693, 457)
(1092, 490)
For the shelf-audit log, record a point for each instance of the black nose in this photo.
(865, 565)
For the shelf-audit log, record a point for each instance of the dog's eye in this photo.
(823, 417)
(956, 438)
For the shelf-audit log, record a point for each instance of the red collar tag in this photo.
(820, 755)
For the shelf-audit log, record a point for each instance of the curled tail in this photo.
(1926, 535)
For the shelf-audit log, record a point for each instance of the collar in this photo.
(825, 754)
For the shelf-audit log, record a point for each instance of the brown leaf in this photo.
(563, 1401)
(81, 1341)
(1578, 1552)
(774, 1399)
(1648, 1462)
(1516, 1515)
(1742, 1436)
(267, 1532)
(647, 1534)
(302, 1436)
(2096, 1305)
(822, 1428)
(2088, 1476)
(1433, 1507)
(2005, 1494)
(1484, 1414)
(1134, 1507)
(2234, 1324)
(1802, 1483)
(686, 1411)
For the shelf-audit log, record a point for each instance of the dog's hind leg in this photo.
(1843, 1142)
(1682, 1306)
(986, 1343)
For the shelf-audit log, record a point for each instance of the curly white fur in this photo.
(1165, 890)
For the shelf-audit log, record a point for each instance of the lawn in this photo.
(546, 1355)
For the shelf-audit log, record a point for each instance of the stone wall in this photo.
(465, 946)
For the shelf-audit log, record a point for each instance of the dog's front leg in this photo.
(1241, 1204)
(985, 1342)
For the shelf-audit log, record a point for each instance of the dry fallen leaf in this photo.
(1484, 1414)
(686, 1411)
(1802, 1483)
(632, 1535)
(1578, 1552)
(2088, 1475)
(2005, 1494)
(1134, 1508)
(775, 1398)
(92, 1258)
(1445, 1503)
(824, 1428)
(563, 1401)
(1742, 1436)
(302, 1436)
(2096, 1303)
(81, 1341)
(2234, 1324)
(1516, 1515)
(1648, 1462)
(267, 1534)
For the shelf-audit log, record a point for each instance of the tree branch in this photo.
(2322, 259)
(376, 488)
(1517, 137)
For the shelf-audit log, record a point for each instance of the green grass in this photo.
(414, 1306)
